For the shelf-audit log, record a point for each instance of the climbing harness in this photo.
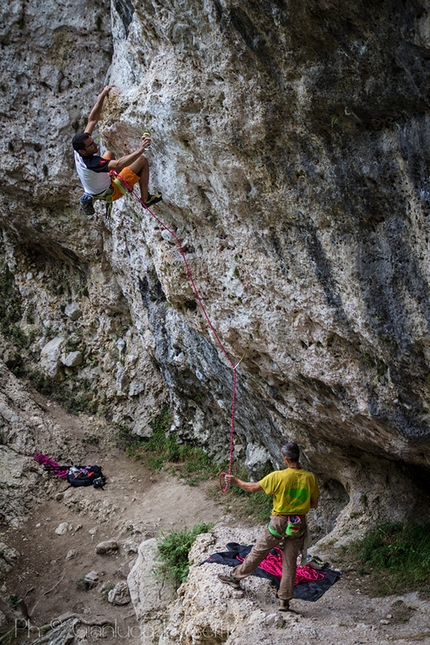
(118, 180)
(295, 527)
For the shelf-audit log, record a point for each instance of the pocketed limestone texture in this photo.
(291, 143)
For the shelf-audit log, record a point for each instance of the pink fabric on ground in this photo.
(273, 565)
(50, 464)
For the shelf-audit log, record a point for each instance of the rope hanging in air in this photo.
(199, 300)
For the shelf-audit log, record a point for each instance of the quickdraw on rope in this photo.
(119, 180)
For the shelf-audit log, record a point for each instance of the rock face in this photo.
(291, 143)
(21, 426)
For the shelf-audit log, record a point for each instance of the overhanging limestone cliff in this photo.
(291, 144)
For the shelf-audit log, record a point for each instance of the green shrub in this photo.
(66, 393)
(155, 463)
(162, 448)
(14, 601)
(173, 548)
(254, 506)
(195, 466)
(105, 593)
(41, 382)
(399, 554)
(83, 585)
(259, 506)
(91, 440)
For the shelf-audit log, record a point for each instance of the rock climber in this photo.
(93, 169)
(295, 492)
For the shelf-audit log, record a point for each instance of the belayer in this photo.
(295, 491)
(93, 169)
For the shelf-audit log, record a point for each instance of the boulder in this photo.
(50, 356)
(73, 311)
(120, 594)
(63, 528)
(72, 359)
(8, 557)
(151, 596)
(107, 547)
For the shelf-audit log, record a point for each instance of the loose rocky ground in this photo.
(57, 547)
(57, 544)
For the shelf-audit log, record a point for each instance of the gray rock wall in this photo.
(290, 142)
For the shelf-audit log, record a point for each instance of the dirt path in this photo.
(135, 505)
(57, 547)
(57, 544)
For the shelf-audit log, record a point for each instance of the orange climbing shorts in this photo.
(129, 176)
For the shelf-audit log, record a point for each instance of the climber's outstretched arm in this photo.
(96, 111)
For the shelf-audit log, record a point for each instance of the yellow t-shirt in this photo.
(292, 490)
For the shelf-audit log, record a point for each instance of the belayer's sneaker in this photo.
(284, 605)
(229, 580)
(153, 199)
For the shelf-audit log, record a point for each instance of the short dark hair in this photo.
(78, 141)
(291, 451)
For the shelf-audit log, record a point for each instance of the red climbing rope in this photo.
(230, 459)
(199, 300)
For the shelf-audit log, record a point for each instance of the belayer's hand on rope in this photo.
(228, 479)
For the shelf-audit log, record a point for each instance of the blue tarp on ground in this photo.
(311, 591)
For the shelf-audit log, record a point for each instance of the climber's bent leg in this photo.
(141, 168)
(138, 171)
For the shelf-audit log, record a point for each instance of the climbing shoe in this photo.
(284, 605)
(229, 580)
(86, 203)
(153, 199)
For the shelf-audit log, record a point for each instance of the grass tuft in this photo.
(192, 463)
(400, 556)
(173, 549)
(64, 393)
(194, 466)
(254, 506)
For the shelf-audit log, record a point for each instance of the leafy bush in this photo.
(195, 466)
(259, 506)
(400, 554)
(65, 393)
(173, 549)
(14, 601)
(254, 506)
